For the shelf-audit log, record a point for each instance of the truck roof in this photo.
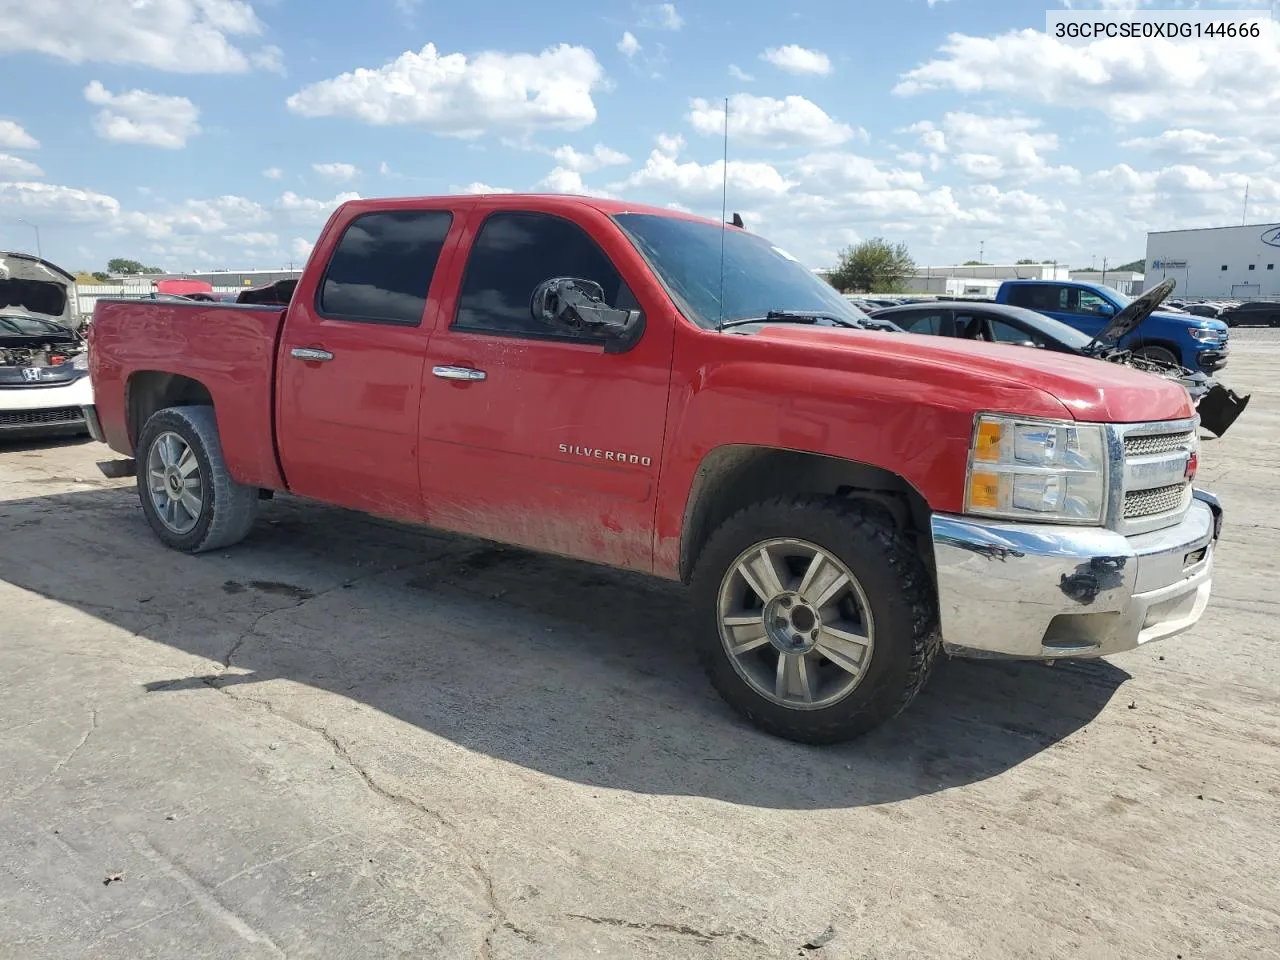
(605, 205)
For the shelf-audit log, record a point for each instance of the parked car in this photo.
(1218, 407)
(44, 374)
(1264, 313)
(1210, 310)
(638, 387)
(1197, 343)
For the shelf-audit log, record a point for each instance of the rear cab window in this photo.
(382, 267)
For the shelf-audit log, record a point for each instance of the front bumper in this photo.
(1042, 592)
(38, 410)
(1211, 359)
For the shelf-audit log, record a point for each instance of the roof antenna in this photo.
(724, 208)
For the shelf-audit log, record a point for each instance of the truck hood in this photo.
(1090, 390)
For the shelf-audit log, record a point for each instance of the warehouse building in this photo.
(1237, 262)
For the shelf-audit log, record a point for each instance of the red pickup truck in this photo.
(645, 389)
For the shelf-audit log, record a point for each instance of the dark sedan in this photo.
(1000, 323)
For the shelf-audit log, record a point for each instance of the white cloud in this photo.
(273, 173)
(181, 36)
(670, 144)
(14, 137)
(738, 73)
(600, 156)
(55, 203)
(254, 239)
(794, 58)
(663, 172)
(384, 168)
(336, 171)
(142, 117)
(309, 210)
(464, 97)
(11, 166)
(1186, 144)
(561, 180)
(301, 248)
(766, 121)
(664, 16)
(218, 216)
(995, 148)
(478, 188)
(837, 172)
(1234, 82)
(269, 58)
(629, 46)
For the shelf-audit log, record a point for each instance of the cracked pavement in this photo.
(352, 738)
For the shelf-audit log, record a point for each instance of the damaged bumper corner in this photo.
(1041, 592)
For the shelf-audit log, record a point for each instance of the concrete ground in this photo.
(351, 739)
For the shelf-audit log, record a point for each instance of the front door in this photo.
(535, 436)
(350, 365)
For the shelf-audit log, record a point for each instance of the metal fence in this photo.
(91, 293)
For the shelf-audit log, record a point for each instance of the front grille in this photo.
(35, 418)
(1151, 446)
(1150, 503)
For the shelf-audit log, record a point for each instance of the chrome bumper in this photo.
(1034, 591)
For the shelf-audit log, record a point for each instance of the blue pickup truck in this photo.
(1197, 343)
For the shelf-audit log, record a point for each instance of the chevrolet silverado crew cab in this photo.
(583, 377)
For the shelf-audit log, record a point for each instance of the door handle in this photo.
(310, 354)
(457, 373)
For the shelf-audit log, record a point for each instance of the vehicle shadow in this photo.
(580, 672)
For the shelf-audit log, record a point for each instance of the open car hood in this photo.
(1131, 317)
(33, 287)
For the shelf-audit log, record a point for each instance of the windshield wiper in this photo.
(796, 316)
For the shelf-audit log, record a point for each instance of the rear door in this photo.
(351, 357)
(537, 437)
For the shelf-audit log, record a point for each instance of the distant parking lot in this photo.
(350, 738)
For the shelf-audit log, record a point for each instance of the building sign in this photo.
(1172, 264)
(1271, 237)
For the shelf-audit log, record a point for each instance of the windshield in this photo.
(31, 327)
(758, 277)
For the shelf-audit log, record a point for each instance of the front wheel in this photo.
(187, 494)
(1158, 355)
(818, 620)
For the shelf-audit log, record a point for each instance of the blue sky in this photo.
(198, 134)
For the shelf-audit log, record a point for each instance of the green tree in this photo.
(873, 266)
(122, 265)
(1023, 261)
(972, 263)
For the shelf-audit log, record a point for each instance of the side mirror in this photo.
(1106, 310)
(573, 306)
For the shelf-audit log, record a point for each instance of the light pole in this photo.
(39, 252)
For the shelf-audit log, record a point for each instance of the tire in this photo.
(1158, 355)
(227, 509)
(887, 576)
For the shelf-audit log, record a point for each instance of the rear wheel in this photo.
(187, 494)
(1158, 355)
(818, 621)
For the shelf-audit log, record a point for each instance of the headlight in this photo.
(1201, 333)
(1037, 470)
(81, 361)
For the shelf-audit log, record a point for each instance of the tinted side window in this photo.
(1039, 297)
(1008, 333)
(382, 267)
(929, 322)
(1090, 304)
(513, 253)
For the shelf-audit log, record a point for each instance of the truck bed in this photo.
(228, 348)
